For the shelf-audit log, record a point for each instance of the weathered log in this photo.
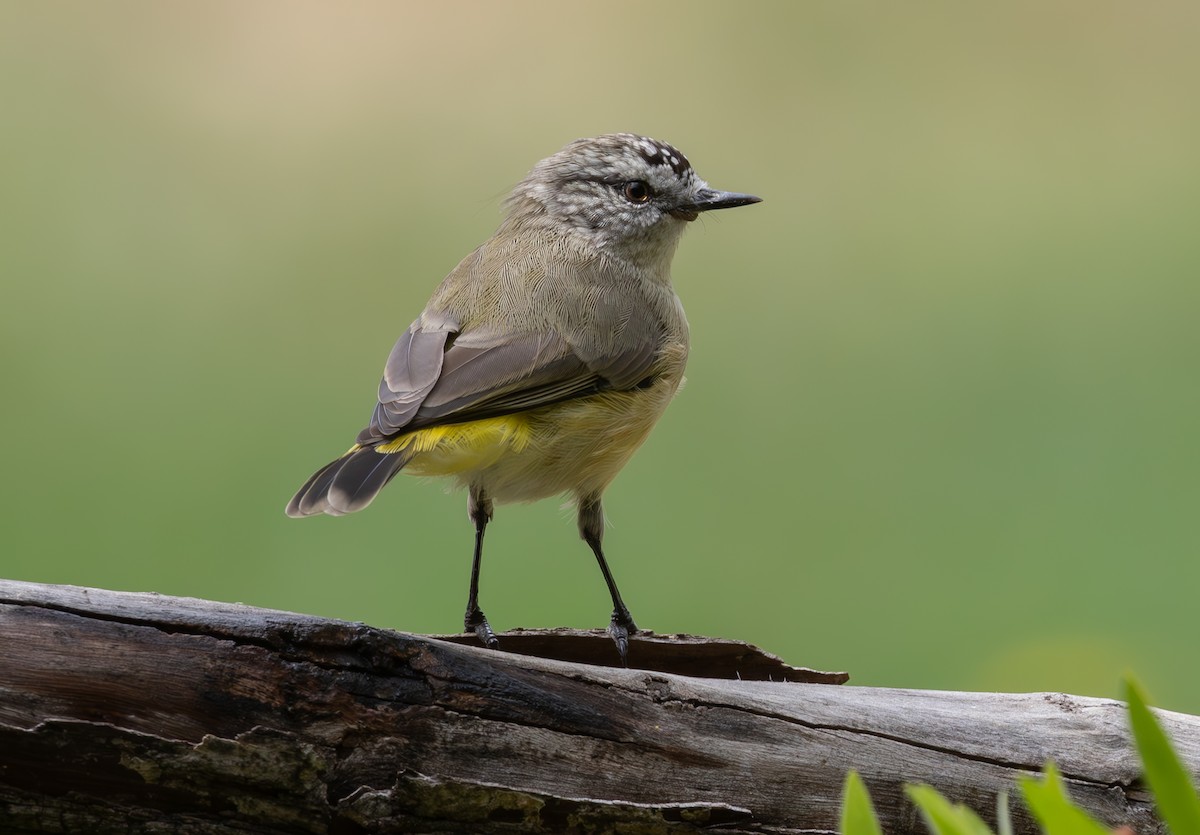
(126, 712)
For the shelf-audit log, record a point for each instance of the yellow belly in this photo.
(461, 447)
(575, 447)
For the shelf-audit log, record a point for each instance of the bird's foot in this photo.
(620, 628)
(477, 623)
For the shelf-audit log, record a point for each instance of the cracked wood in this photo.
(127, 712)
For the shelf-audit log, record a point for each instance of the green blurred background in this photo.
(940, 428)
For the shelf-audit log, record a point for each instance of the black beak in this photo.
(708, 199)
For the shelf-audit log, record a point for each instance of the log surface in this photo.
(124, 712)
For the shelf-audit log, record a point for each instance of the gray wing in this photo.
(437, 375)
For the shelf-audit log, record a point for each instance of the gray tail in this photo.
(348, 484)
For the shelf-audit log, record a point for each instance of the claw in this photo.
(620, 628)
(477, 623)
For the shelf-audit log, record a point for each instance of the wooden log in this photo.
(124, 712)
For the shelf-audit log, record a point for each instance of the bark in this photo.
(124, 712)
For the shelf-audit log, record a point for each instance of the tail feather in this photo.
(348, 484)
(310, 499)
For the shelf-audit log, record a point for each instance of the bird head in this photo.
(628, 195)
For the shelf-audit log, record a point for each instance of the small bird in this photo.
(546, 356)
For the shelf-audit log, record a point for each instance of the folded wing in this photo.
(436, 375)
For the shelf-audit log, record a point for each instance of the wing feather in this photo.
(412, 370)
(485, 375)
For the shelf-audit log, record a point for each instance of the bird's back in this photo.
(534, 283)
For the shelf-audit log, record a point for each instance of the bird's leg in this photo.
(479, 508)
(591, 528)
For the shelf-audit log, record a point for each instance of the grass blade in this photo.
(1174, 793)
(943, 817)
(858, 815)
(1048, 800)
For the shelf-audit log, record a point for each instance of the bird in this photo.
(543, 360)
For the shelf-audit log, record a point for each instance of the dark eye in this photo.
(636, 191)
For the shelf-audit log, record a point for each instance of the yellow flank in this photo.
(459, 447)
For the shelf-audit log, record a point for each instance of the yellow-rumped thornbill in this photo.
(545, 358)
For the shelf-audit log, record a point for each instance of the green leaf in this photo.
(1174, 793)
(858, 815)
(943, 817)
(1048, 801)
